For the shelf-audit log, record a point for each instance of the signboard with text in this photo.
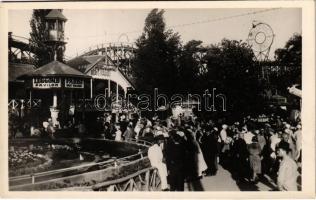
(46, 82)
(73, 83)
(100, 72)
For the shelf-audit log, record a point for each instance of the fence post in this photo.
(33, 178)
(131, 184)
(147, 180)
(140, 152)
(115, 163)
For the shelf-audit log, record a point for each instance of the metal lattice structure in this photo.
(20, 50)
(260, 39)
(199, 56)
(121, 54)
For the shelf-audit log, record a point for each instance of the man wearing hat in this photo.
(241, 156)
(287, 175)
(175, 159)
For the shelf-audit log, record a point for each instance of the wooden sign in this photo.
(100, 72)
(46, 82)
(74, 83)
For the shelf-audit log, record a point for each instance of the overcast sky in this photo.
(86, 28)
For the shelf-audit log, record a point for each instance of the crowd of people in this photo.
(186, 148)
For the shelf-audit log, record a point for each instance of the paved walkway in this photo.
(223, 181)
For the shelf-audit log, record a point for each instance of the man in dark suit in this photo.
(209, 149)
(175, 158)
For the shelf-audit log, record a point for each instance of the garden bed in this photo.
(74, 152)
(38, 158)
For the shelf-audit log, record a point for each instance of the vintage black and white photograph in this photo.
(155, 99)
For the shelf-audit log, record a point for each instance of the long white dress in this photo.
(155, 157)
(201, 162)
(118, 135)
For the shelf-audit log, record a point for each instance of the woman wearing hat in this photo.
(298, 142)
(225, 144)
(254, 158)
(287, 175)
(118, 132)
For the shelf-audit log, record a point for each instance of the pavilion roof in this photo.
(56, 69)
(82, 63)
(86, 63)
(18, 69)
(55, 14)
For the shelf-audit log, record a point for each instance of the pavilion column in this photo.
(30, 98)
(71, 97)
(63, 104)
(91, 88)
(117, 92)
(106, 89)
(55, 100)
(53, 110)
(125, 93)
(84, 104)
(109, 87)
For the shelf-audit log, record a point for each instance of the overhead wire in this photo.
(195, 23)
(192, 23)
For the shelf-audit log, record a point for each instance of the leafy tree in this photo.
(289, 59)
(188, 72)
(156, 64)
(231, 71)
(38, 34)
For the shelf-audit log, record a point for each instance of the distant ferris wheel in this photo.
(260, 39)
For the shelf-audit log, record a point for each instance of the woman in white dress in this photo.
(118, 133)
(202, 167)
(201, 164)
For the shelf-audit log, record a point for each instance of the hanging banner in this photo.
(73, 83)
(46, 82)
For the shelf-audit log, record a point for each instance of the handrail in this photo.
(107, 45)
(63, 178)
(71, 168)
(21, 39)
(39, 174)
(143, 142)
(51, 172)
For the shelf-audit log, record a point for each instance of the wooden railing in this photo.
(39, 177)
(138, 141)
(143, 180)
(53, 174)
